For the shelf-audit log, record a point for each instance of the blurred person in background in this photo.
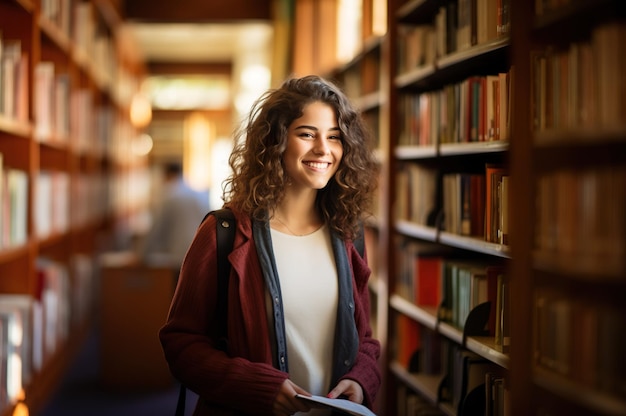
(178, 214)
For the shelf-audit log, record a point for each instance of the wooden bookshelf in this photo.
(569, 146)
(442, 133)
(66, 89)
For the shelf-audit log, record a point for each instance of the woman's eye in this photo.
(334, 138)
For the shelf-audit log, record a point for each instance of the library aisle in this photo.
(81, 392)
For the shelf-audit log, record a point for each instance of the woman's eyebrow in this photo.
(304, 126)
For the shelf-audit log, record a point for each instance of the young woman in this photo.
(298, 301)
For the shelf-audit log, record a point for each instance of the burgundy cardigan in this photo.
(244, 381)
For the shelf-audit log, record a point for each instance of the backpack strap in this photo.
(225, 235)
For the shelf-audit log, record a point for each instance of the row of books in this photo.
(87, 194)
(457, 26)
(62, 112)
(87, 197)
(14, 87)
(464, 204)
(419, 349)
(91, 198)
(479, 21)
(473, 204)
(581, 340)
(52, 210)
(473, 110)
(58, 12)
(580, 218)
(416, 194)
(465, 381)
(582, 85)
(32, 328)
(454, 287)
(470, 374)
(468, 285)
(363, 78)
(412, 404)
(51, 103)
(13, 206)
(75, 24)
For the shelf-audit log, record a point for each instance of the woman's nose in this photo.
(321, 146)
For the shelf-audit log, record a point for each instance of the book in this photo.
(10, 356)
(408, 339)
(503, 228)
(473, 370)
(502, 331)
(17, 187)
(428, 280)
(493, 178)
(486, 20)
(11, 53)
(343, 405)
(21, 306)
(493, 273)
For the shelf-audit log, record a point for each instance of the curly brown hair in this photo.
(257, 184)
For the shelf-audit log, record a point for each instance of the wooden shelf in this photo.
(62, 228)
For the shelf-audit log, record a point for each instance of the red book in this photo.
(493, 174)
(408, 337)
(428, 278)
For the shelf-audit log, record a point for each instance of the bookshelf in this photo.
(449, 253)
(569, 137)
(67, 179)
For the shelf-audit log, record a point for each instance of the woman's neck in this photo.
(296, 216)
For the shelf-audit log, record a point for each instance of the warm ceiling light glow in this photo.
(254, 75)
(142, 145)
(198, 139)
(169, 92)
(140, 111)
(20, 410)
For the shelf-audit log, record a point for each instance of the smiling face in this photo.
(314, 147)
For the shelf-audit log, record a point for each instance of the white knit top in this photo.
(308, 282)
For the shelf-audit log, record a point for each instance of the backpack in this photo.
(225, 231)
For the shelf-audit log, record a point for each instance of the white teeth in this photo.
(318, 165)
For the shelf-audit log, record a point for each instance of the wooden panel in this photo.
(198, 11)
(325, 36)
(303, 51)
(131, 355)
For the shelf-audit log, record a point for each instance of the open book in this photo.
(343, 405)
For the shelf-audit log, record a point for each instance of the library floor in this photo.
(80, 393)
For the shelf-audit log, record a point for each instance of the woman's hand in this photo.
(348, 388)
(286, 402)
